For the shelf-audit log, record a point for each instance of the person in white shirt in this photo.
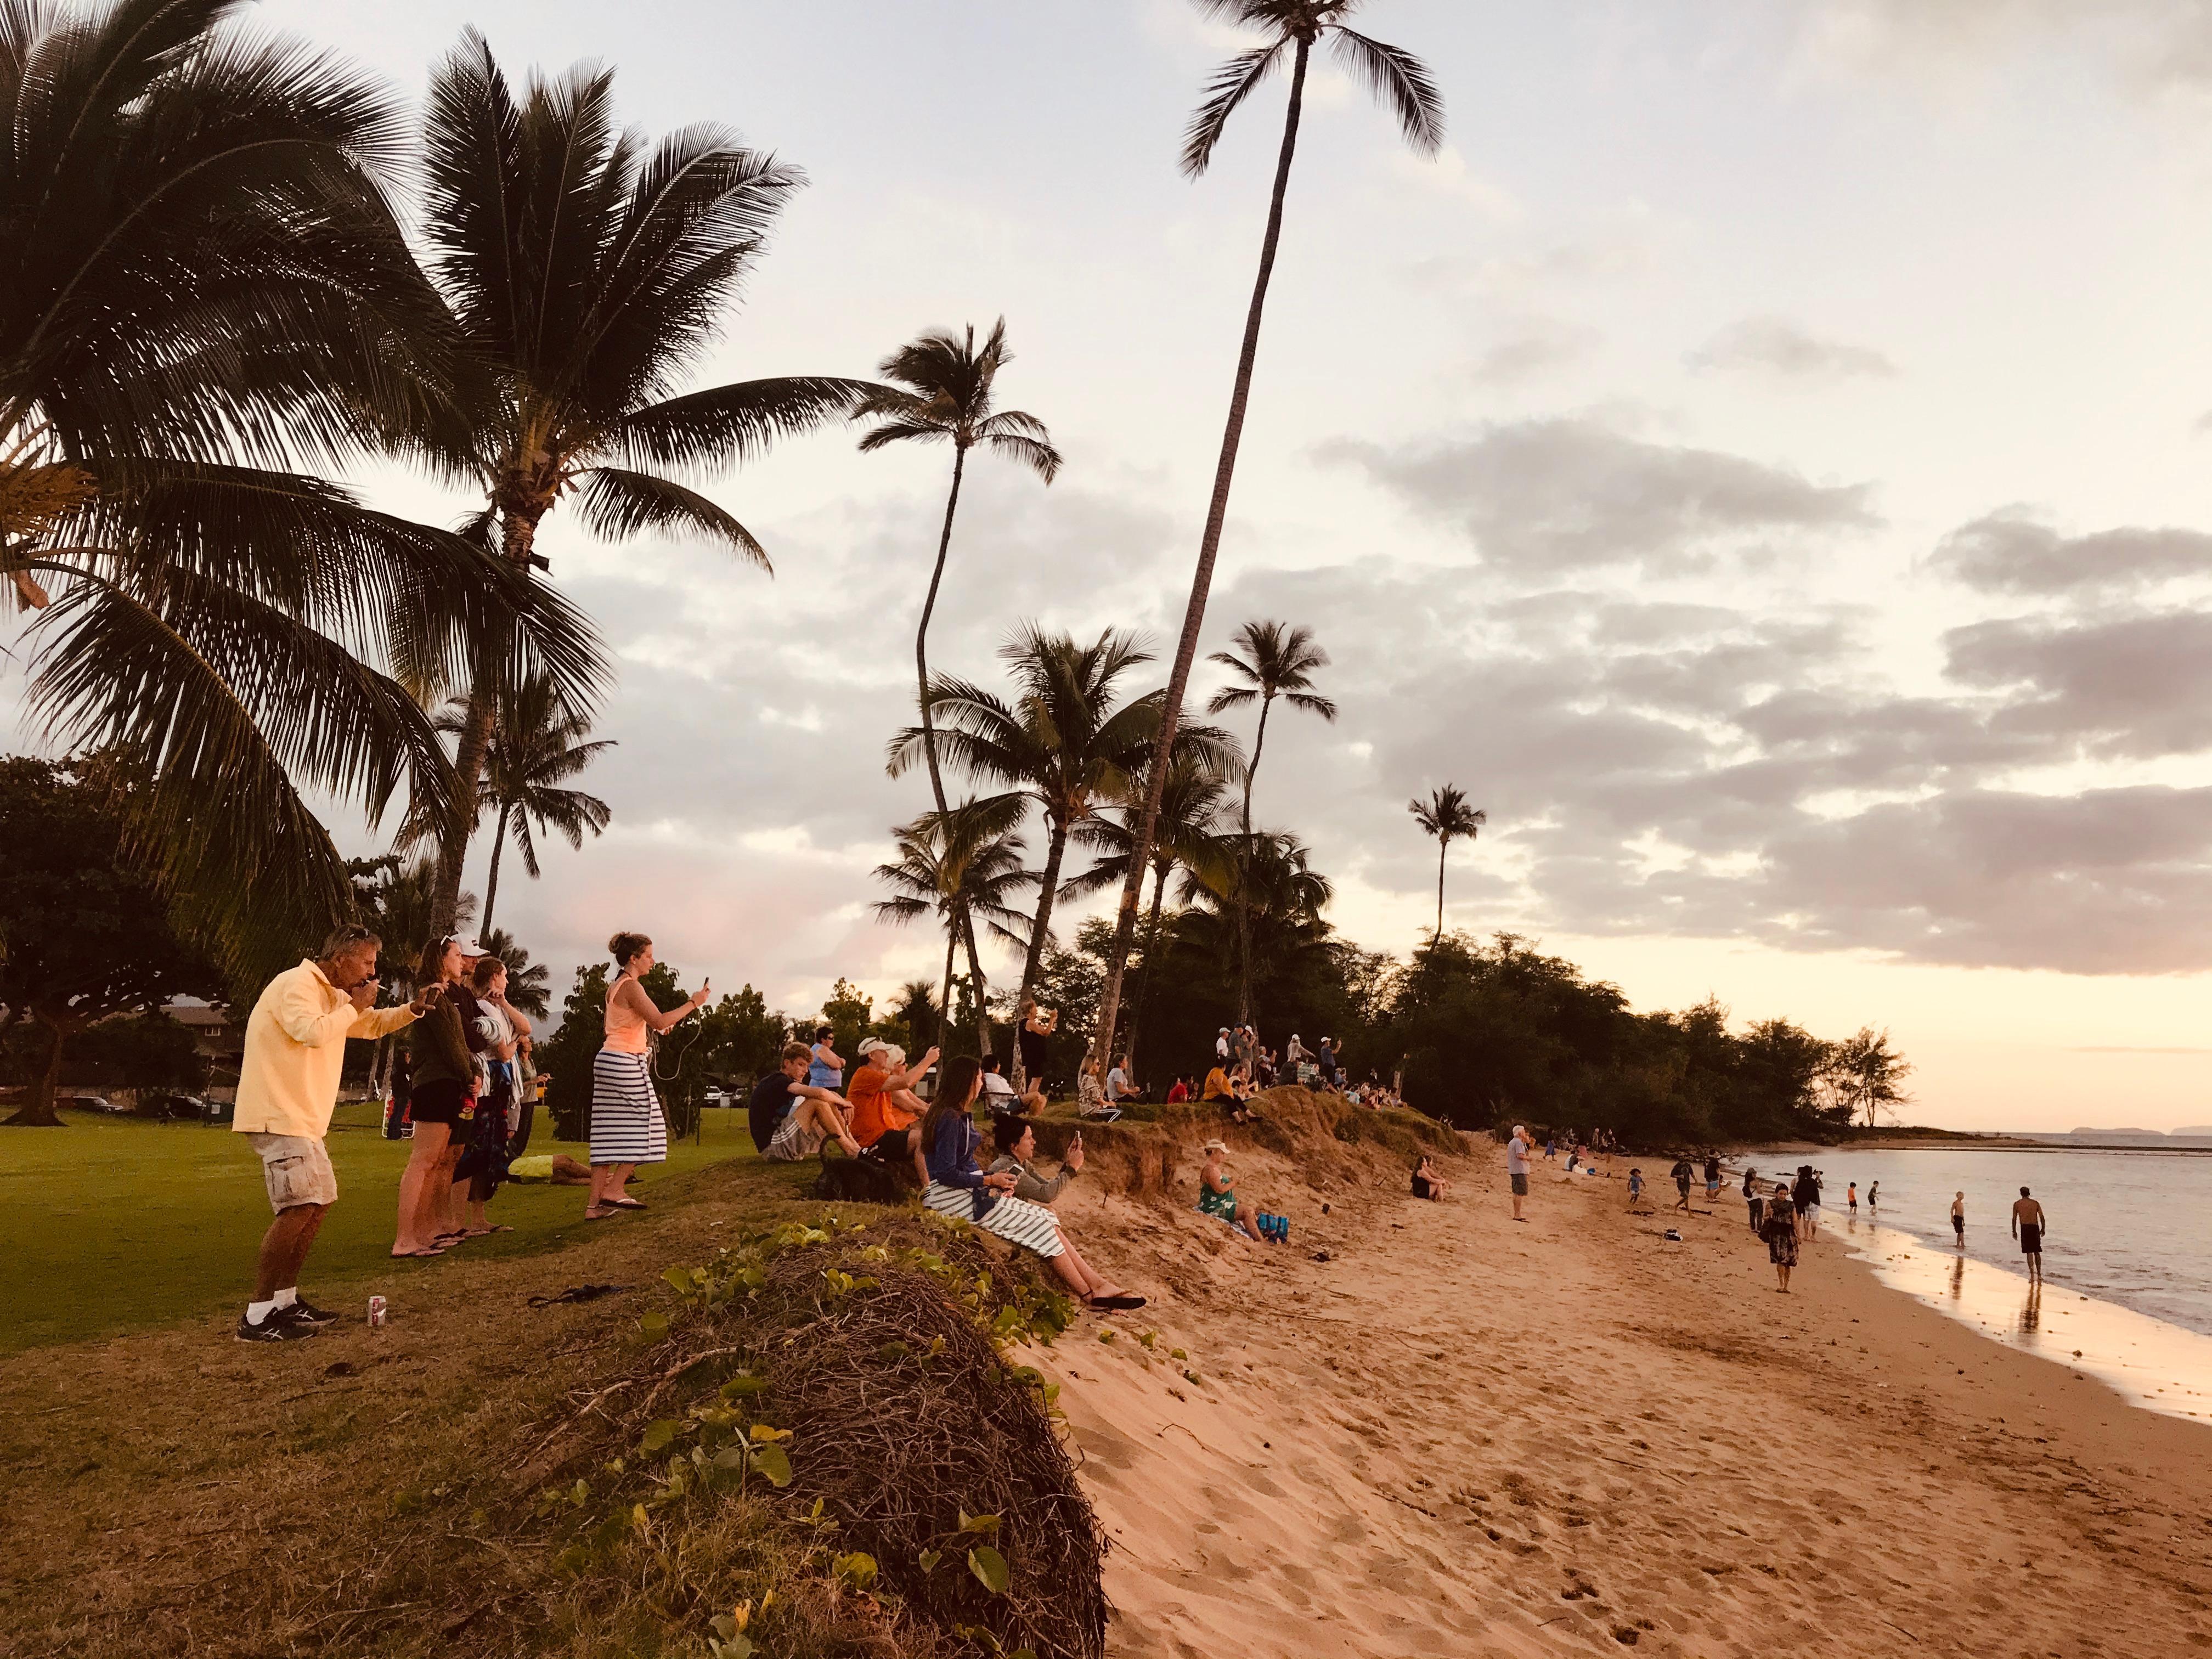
(1119, 1090)
(1517, 1168)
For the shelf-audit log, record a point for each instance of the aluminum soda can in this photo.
(376, 1307)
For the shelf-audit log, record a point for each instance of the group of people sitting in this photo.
(797, 1109)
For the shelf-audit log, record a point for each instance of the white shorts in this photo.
(296, 1170)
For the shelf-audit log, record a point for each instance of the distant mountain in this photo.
(2204, 1129)
(2161, 1133)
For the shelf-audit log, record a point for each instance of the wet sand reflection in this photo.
(2150, 1362)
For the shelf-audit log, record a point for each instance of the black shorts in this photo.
(1959, 1225)
(2031, 1239)
(444, 1101)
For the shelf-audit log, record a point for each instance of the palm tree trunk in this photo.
(1444, 845)
(491, 881)
(518, 533)
(921, 633)
(1145, 977)
(1125, 924)
(1054, 853)
(1243, 896)
(975, 979)
(944, 998)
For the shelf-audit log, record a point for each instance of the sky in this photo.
(1762, 460)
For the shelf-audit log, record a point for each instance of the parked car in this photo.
(82, 1102)
(170, 1108)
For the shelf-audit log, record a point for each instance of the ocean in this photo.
(2127, 1257)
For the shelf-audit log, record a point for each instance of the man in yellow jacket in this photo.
(287, 1087)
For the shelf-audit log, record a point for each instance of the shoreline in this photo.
(1459, 1435)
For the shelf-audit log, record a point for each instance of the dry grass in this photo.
(384, 1492)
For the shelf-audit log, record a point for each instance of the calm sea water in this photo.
(2126, 1227)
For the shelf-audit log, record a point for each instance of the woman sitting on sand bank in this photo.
(1427, 1183)
(1217, 1194)
(945, 1156)
(1016, 1139)
(1780, 1232)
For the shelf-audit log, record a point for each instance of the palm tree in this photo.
(1193, 808)
(944, 395)
(961, 865)
(1278, 661)
(535, 750)
(1293, 26)
(528, 984)
(1445, 814)
(586, 272)
(202, 291)
(1064, 742)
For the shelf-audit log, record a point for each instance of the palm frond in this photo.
(735, 422)
(1232, 83)
(618, 504)
(1401, 80)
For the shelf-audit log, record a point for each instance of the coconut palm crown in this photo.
(587, 271)
(1446, 816)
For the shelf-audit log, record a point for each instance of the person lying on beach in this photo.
(1016, 1140)
(1427, 1183)
(800, 1117)
(1780, 1232)
(1217, 1194)
(945, 1156)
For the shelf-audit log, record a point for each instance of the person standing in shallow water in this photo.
(1958, 1218)
(2027, 1225)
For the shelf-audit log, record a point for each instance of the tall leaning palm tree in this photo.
(1277, 661)
(1446, 816)
(205, 301)
(1293, 28)
(945, 394)
(536, 747)
(587, 272)
(963, 866)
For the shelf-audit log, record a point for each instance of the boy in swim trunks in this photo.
(2027, 1227)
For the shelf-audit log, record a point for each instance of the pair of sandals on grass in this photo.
(445, 1242)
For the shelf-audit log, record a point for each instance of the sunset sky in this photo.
(1766, 460)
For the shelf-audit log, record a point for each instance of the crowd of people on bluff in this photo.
(470, 1090)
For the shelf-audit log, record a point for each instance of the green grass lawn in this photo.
(113, 1225)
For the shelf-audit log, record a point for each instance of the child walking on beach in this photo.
(1635, 1187)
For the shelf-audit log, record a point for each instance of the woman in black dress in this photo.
(1780, 1232)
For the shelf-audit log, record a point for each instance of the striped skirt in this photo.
(1016, 1220)
(627, 1126)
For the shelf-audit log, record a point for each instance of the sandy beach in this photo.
(1457, 1435)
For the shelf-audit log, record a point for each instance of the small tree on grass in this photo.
(84, 934)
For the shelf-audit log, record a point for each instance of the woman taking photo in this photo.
(443, 1105)
(1033, 1030)
(627, 1126)
(945, 1156)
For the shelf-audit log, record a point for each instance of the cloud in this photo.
(2011, 552)
(2157, 43)
(1568, 494)
(1777, 347)
(1537, 344)
(2132, 686)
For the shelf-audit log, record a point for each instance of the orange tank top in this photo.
(626, 1033)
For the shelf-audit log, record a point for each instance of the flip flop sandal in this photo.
(410, 1255)
(604, 1214)
(499, 1229)
(1124, 1303)
(624, 1204)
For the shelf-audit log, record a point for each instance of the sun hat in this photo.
(1215, 1146)
(875, 1046)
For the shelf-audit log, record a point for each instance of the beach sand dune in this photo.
(1460, 1436)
